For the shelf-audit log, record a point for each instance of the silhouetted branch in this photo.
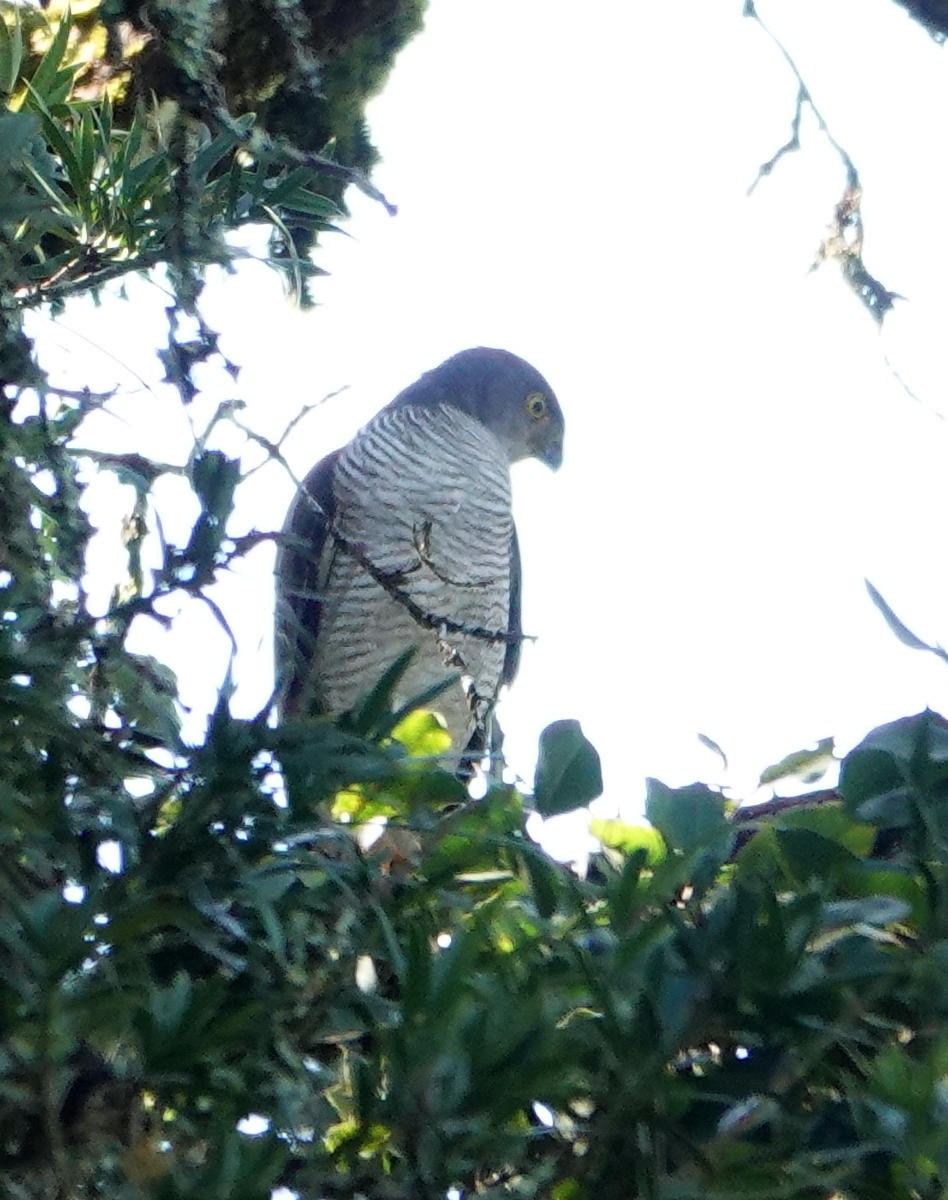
(844, 241)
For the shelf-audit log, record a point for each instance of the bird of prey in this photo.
(405, 538)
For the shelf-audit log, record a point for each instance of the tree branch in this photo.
(844, 242)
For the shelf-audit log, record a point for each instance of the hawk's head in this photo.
(504, 393)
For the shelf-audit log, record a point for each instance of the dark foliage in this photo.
(726, 1005)
(933, 14)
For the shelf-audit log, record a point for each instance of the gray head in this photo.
(504, 393)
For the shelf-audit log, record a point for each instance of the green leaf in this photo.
(872, 879)
(872, 910)
(568, 774)
(567, 1189)
(213, 151)
(901, 631)
(86, 134)
(57, 136)
(422, 734)
(11, 53)
(920, 740)
(806, 765)
(168, 1006)
(623, 890)
(689, 818)
(830, 821)
(306, 201)
(873, 787)
(273, 930)
(147, 692)
(17, 129)
(141, 181)
(896, 775)
(48, 80)
(373, 715)
(280, 188)
(543, 882)
(808, 855)
(710, 744)
(759, 930)
(102, 115)
(748, 1114)
(620, 835)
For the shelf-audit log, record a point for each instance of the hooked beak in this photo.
(552, 454)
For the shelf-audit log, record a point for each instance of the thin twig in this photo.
(389, 580)
(274, 450)
(908, 389)
(421, 539)
(43, 293)
(845, 239)
(803, 97)
(137, 463)
(82, 395)
(97, 346)
(789, 147)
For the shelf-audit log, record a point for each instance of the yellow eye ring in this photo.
(536, 405)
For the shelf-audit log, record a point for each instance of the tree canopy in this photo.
(212, 982)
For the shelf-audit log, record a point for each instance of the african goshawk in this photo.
(405, 538)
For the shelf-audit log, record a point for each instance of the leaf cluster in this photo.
(300, 73)
(213, 981)
(192, 935)
(86, 200)
(447, 1007)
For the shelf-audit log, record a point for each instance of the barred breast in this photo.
(423, 498)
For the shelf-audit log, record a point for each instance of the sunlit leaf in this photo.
(806, 765)
(621, 835)
(422, 733)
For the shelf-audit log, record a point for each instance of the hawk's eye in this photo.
(536, 405)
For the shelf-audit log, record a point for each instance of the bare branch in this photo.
(274, 450)
(421, 538)
(784, 804)
(790, 146)
(750, 818)
(803, 97)
(390, 581)
(147, 468)
(844, 242)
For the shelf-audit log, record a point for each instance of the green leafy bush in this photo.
(213, 984)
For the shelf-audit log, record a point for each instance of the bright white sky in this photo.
(572, 185)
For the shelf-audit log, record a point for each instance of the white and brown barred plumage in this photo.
(405, 538)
